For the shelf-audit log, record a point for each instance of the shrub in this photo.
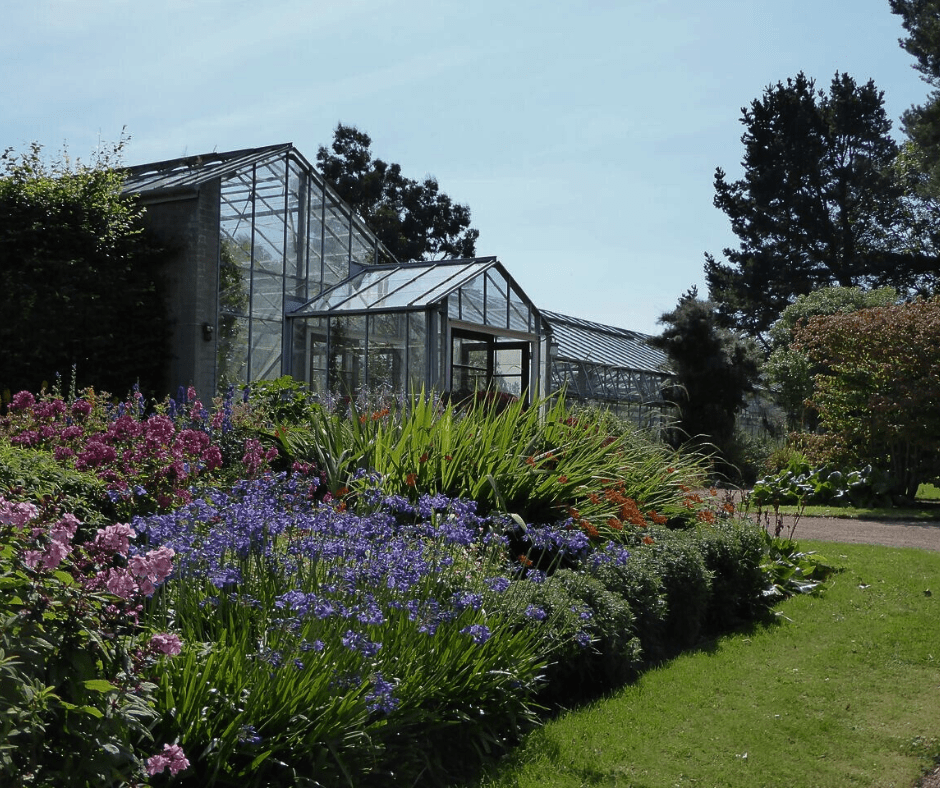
(675, 558)
(733, 551)
(75, 702)
(35, 475)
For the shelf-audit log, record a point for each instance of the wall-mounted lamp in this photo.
(207, 330)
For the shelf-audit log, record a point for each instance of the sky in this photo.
(583, 134)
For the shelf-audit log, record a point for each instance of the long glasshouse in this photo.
(270, 273)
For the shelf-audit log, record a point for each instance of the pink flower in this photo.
(120, 583)
(166, 643)
(114, 538)
(54, 554)
(159, 430)
(63, 530)
(22, 400)
(153, 567)
(81, 408)
(31, 558)
(171, 758)
(18, 514)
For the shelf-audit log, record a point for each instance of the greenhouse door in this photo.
(485, 362)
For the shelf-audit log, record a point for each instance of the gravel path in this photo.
(890, 533)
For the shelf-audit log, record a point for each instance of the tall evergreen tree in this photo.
(415, 220)
(714, 368)
(819, 203)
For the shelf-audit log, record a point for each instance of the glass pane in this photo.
(317, 355)
(315, 238)
(508, 370)
(347, 354)
(470, 359)
(266, 296)
(362, 250)
(265, 349)
(417, 350)
(520, 317)
(495, 301)
(234, 273)
(471, 301)
(232, 351)
(388, 348)
(335, 244)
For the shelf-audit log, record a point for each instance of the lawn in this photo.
(840, 690)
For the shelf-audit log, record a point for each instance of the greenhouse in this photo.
(270, 273)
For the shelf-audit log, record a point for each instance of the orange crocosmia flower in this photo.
(411, 480)
(423, 457)
(562, 479)
(728, 507)
(362, 419)
(341, 506)
(670, 470)
(448, 457)
(614, 523)
(657, 518)
(649, 540)
(525, 560)
(589, 529)
(595, 498)
(530, 460)
(712, 492)
(706, 516)
(573, 513)
(342, 491)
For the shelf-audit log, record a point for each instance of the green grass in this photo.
(843, 690)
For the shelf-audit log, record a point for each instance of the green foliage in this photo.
(539, 462)
(588, 628)
(78, 276)
(787, 369)
(878, 397)
(35, 475)
(818, 205)
(75, 703)
(714, 369)
(799, 484)
(734, 552)
(414, 220)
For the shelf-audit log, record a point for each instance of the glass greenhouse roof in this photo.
(399, 287)
(582, 340)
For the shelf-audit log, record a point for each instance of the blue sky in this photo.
(584, 136)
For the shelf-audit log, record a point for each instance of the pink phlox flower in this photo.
(54, 554)
(81, 408)
(191, 442)
(212, 458)
(49, 410)
(124, 428)
(166, 643)
(72, 431)
(114, 538)
(22, 400)
(159, 430)
(18, 514)
(96, 454)
(32, 558)
(120, 583)
(63, 530)
(171, 758)
(155, 567)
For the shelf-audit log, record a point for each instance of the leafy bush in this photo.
(800, 485)
(75, 703)
(79, 282)
(35, 475)
(733, 551)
